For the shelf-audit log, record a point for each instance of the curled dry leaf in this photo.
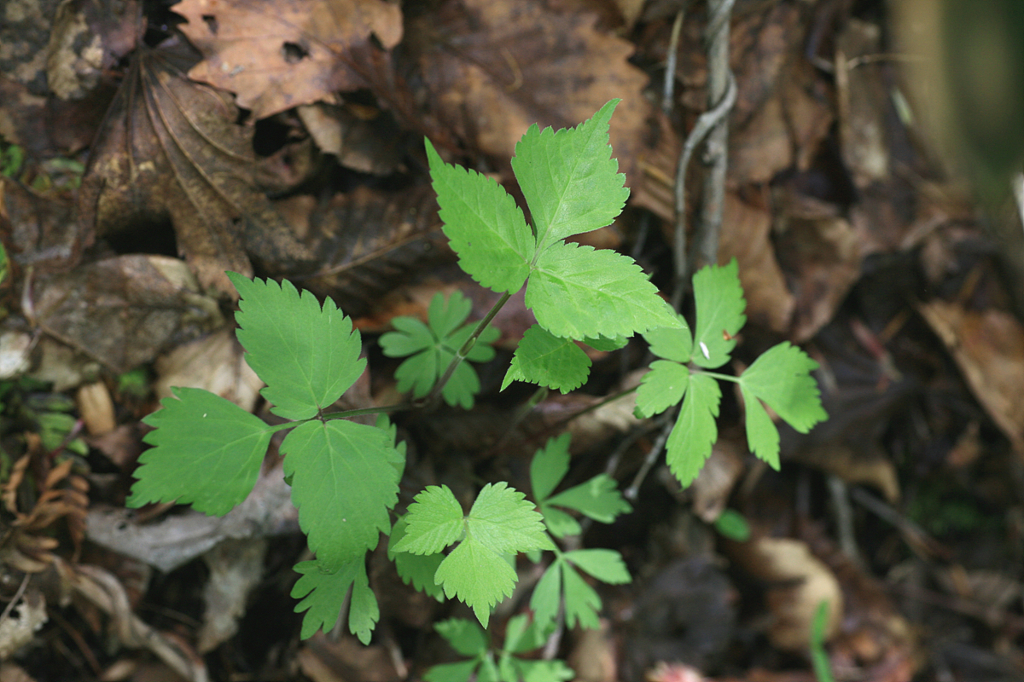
(170, 149)
(278, 54)
(123, 311)
(213, 362)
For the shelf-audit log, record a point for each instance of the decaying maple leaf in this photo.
(278, 54)
(171, 149)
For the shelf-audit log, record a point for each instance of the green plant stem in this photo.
(383, 409)
(435, 393)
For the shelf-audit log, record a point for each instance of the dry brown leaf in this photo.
(39, 231)
(324, 660)
(214, 363)
(988, 346)
(97, 408)
(278, 54)
(123, 311)
(492, 68)
(171, 149)
(863, 100)
(236, 568)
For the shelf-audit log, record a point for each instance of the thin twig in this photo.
(666, 421)
(15, 599)
(668, 92)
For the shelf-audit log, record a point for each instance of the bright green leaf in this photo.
(445, 315)
(547, 360)
(671, 344)
(731, 524)
(582, 603)
(344, 479)
(465, 636)
(543, 671)
(559, 523)
(415, 569)
(476, 575)
(307, 355)
(598, 498)
(411, 336)
(689, 444)
(434, 521)
(207, 452)
(569, 179)
(781, 377)
(662, 387)
(604, 564)
(323, 596)
(578, 292)
(605, 344)
(762, 435)
(485, 227)
(505, 522)
(719, 299)
(549, 466)
(461, 671)
(546, 596)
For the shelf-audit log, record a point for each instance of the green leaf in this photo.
(544, 671)
(605, 344)
(465, 636)
(781, 377)
(521, 635)
(598, 498)
(762, 435)
(344, 479)
(549, 361)
(546, 596)
(662, 387)
(731, 524)
(604, 564)
(582, 603)
(307, 355)
(569, 179)
(671, 344)
(578, 292)
(485, 227)
(559, 523)
(415, 569)
(549, 466)
(477, 571)
(445, 316)
(461, 671)
(689, 444)
(207, 452)
(323, 597)
(719, 299)
(434, 521)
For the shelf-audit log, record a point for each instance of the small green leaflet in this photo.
(207, 452)
(344, 479)
(417, 570)
(571, 185)
(500, 524)
(780, 378)
(307, 355)
(597, 498)
(323, 596)
(582, 603)
(547, 360)
(719, 300)
(431, 347)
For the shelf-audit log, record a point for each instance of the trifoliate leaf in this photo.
(415, 569)
(501, 523)
(582, 603)
(569, 179)
(662, 387)
(598, 498)
(548, 361)
(434, 521)
(578, 292)
(672, 344)
(604, 564)
(547, 594)
(719, 299)
(323, 596)
(781, 377)
(307, 355)
(344, 480)
(762, 435)
(549, 466)
(465, 636)
(689, 444)
(207, 452)
(485, 227)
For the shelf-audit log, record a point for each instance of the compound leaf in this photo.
(344, 479)
(695, 432)
(718, 296)
(485, 227)
(569, 179)
(578, 292)
(781, 377)
(547, 360)
(207, 452)
(434, 521)
(762, 435)
(323, 597)
(598, 498)
(604, 564)
(307, 355)
(549, 466)
(662, 387)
